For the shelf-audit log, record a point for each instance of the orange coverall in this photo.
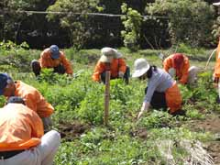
(33, 99)
(20, 128)
(47, 62)
(173, 98)
(182, 73)
(117, 64)
(217, 64)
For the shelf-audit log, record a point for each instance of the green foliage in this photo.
(157, 119)
(187, 49)
(2, 101)
(11, 45)
(216, 28)
(47, 75)
(16, 56)
(91, 107)
(194, 113)
(76, 22)
(122, 142)
(132, 23)
(187, 23)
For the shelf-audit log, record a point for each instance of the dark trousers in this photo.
(126, 76)
(158, 100)
(37, 69)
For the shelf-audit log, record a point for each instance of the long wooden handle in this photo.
(107, 97)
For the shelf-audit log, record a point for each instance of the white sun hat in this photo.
(108, 53)
(141, 66)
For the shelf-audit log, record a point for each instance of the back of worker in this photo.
(20, 128)
(22, 139)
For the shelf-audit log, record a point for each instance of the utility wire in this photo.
(72, 13)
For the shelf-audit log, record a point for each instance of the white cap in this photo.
(107, 53)
(141, 66)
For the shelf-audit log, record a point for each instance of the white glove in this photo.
(120, 74)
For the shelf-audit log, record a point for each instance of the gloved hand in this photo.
(120, 74)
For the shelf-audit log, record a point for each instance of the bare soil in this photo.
(210, 124)
(70, 131)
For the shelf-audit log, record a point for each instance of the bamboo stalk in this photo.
(207, 63)
(107, 96)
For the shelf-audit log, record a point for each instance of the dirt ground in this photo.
(70, 131)
(210, 124)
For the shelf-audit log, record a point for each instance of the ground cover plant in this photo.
(158, 138)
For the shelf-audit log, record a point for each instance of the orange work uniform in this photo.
(20, 128)
(217, 64)
(173, 98)
(47, 62)
(182, 72)
(33, 99)
(117, 64)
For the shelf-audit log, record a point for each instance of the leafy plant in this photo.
(76, 23)
(187, 23)
(132, 23)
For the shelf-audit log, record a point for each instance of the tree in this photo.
(190, 21)
(75, 19)
(132, 23)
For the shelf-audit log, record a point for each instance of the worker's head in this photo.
(15, 99)
(7, 86)
(178, 60)
(108, 54)
(55, 52)
(141, 67)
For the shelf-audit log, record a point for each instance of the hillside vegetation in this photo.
(158, 138)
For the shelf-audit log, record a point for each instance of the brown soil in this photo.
(70, 131)
(210, 124)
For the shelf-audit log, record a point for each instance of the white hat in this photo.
(141, 66)
(107, 53)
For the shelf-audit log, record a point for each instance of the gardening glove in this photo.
(120, 74)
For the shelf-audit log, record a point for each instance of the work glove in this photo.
(120, 74)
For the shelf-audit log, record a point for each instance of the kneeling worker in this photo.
(177, 65)
(32, 97)
(52, 57)
(111, 60)
(162, 91)
(22, 139)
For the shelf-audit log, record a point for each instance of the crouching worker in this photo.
(177, 65)
(52, 57)
(22, 139)
(216, 74)
(162, 91)
(111, 60)
(32, 97)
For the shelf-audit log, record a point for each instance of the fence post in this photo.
(107, 96)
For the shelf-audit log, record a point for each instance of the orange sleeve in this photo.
(66, 63)
(43, 59)
(217, 64)
(185, 71)
(36, 102)
(36, 124)
(167, 64)
(99, 68)
(122, 65)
